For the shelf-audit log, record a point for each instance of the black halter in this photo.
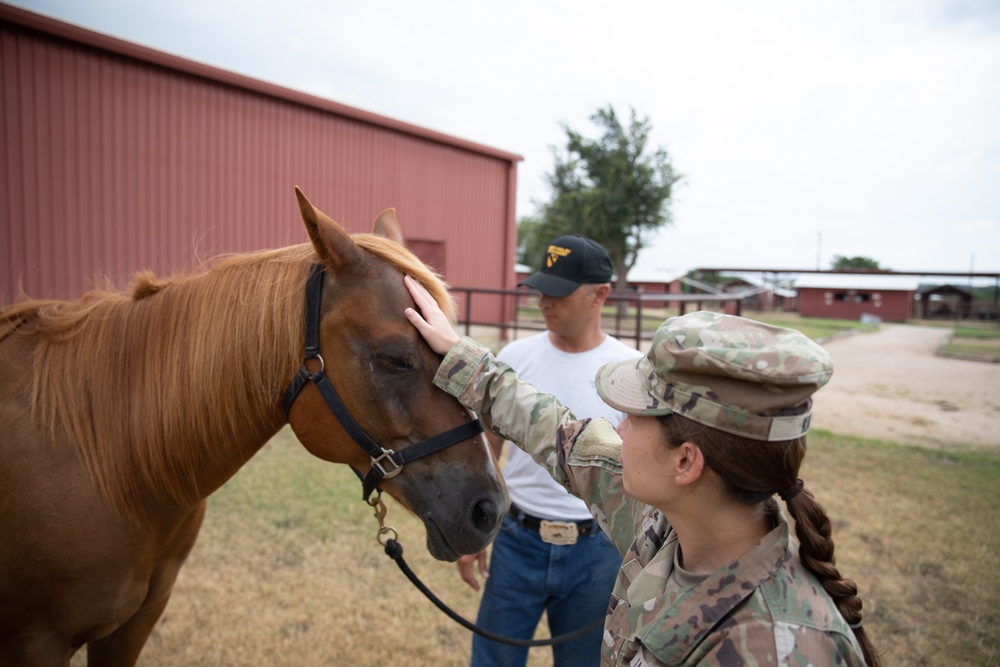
(386, 463)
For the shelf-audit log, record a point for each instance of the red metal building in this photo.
(656, 282)
(118, 158)
(851, 296)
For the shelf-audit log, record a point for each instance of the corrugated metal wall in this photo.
(118, 158)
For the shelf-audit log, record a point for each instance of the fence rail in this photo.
(631, 310)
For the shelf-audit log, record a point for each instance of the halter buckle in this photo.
(387, 456)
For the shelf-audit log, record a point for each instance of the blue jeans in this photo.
(572, 583)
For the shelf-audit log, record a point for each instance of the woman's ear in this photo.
(689, 463)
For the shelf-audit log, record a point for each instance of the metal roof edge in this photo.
(75, 33)
(873, 281)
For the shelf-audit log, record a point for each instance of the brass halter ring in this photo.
(385, 533)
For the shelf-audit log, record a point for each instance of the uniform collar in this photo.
(682, 626)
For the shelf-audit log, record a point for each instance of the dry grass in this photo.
(918, 530)
(287, 570)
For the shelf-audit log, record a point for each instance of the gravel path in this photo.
(891, 385)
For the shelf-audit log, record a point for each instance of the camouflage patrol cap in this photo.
(730, 373)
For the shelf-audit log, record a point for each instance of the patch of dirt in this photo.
(891, 385)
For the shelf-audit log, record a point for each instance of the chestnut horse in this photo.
(121, 413)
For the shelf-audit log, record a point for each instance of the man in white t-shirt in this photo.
(550, 556)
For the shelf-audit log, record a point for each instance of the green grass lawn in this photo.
(817, 328)
(985, 349)
(981, 343)
(991, 332)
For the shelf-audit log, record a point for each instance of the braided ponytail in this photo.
(753, 472)
(812, 528)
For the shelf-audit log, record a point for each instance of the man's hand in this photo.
(467, 566)
(433, 326)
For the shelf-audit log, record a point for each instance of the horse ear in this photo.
(386, 225)
(334, 246)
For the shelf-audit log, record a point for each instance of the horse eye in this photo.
(395, 363)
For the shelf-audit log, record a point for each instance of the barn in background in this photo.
(851, 296)
(119, 158)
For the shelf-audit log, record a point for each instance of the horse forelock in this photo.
(407, 263)
(129, 376)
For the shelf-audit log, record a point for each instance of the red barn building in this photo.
(656, 282)
(851, 295)
(119, 158)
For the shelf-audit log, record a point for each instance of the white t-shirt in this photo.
(569, 376)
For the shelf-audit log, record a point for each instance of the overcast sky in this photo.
(804, 130)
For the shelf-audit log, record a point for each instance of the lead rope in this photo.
(386, 536)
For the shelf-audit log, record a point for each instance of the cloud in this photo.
(976, 225)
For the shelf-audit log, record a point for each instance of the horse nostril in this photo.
(484, 515)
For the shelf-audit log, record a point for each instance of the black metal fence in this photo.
(634, 315)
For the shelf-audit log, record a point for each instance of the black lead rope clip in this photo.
(383, 530)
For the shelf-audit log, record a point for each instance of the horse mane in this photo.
(134, 377)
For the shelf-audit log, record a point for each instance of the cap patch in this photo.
(554, 253)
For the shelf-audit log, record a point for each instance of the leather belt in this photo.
(554, 532)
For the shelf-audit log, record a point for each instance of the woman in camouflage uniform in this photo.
(718, 411)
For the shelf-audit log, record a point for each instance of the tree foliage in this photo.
(615, 189)
(842, 263)
(531, 240)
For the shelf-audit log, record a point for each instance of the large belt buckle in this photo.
(558, 532)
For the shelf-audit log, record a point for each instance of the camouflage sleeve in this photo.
(582, 455)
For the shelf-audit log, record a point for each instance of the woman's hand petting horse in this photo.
(433, 325)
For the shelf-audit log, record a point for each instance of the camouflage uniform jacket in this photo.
(763, 609)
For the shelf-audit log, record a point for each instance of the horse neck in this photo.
(245, 356)
(185, 383)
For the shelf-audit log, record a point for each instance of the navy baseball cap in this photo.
(570, 261)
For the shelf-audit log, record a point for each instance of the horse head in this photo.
(381, 373)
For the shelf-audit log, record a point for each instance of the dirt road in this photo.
(891, 385)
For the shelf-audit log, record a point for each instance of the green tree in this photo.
(615, 189)
(841, 263)
(530, 241)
